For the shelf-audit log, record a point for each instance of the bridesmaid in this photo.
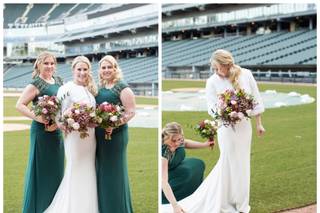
(111, 160)
(46, 159)
(180, 176)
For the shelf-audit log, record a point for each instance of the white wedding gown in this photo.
(226, 188)
(77, 192)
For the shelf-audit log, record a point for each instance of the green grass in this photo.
(18, 122)
(9, 104)
(174, 84)
(142, 164)
(283, 162)
(145, 100)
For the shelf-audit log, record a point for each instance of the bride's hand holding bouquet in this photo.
(79, 117)
(234, 106)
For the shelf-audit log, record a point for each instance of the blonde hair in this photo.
(115, 65)
(171, 129)
(90, 84)
(40, 60)
(224, 57)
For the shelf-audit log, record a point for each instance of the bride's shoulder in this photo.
(65, 88)
(67, 85)
(245, 71)
(212, 78)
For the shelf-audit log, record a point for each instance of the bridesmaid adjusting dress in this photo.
(180, 176)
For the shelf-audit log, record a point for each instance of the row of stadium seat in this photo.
(291, 48)
(54, 11)
(135, 70)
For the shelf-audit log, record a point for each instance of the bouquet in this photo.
(207, 129)
(47, 107)
(79, 117)
(109, 115)
(233, 106)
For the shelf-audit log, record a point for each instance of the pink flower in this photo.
(50, 103)
(76, 126)
(233, 114)
(240, 115)
(44, 111)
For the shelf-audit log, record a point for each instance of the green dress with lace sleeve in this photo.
(46, 157)
(111, 160)
(184, 174)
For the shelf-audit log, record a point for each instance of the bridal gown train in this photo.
(77, 192)
(226, 188)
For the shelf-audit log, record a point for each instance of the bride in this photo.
(226, 188)
(77, 192)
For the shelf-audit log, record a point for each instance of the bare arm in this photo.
(260, 128)
(128, 100)
(28, 94)
(166, 188)
(190, 144)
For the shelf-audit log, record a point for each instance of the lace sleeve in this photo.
(119, 87)
(40, 84)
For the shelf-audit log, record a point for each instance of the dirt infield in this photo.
(307, 209)
(9, 127)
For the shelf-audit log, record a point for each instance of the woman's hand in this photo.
(109, 130)
(52, 128)
(61, 127)
(210, 143)
(178, 209)
(260, 130)
(40, 119)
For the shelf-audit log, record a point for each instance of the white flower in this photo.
(105, 102)
(99, 120)
(233, 102)
(114, 118)
(118, 108)
(67, 113)
(50, 103)
(92, 114)
(75, 126)
(206, 121)
(248, 112)
(70, 121)
(233, 114)
(77, 111)
(213, 123)
(240, 115)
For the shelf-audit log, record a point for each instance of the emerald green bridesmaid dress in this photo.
(46, 158)
(184, 174)
(111, 160)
